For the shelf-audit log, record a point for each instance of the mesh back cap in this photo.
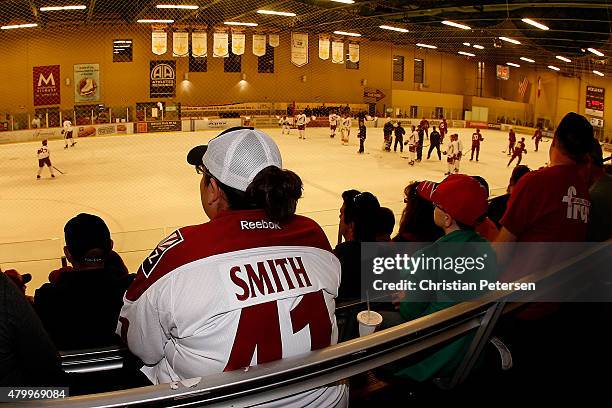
(237, 156)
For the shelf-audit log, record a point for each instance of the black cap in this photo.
(87, 232)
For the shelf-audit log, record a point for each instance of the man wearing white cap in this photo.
(255, 284)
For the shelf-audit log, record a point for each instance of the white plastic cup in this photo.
(368, 322)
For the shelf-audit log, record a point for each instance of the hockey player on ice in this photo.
(285, 125)
(333, 123)
(301, 120)
(67, 132)
(346, 129)
(44, 159)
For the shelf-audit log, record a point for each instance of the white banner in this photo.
(353, 52)
(180, 44)
(238, 43)
(220, 45)
(259, 44)
(324, 48)
(274, 40)
(299, 49)
(159, 42)
(337, 52)
(199, 46)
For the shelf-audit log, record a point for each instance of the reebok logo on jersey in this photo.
(149, 264)
(252, 225)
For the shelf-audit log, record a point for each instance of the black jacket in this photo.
(399, 132)
(80, 310)
(434, 138)
(362, 132)
(388, 129)
(27, 355)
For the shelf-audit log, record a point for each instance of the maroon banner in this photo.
(476, 124)
(46, 84)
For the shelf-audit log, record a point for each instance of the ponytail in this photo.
(276, 191)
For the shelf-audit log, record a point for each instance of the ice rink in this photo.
(143, 188)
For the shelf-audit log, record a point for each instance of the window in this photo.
(398, 68)
(233, 63)
(265, 63)
(351, 65)
(122, 50)
(419, 71)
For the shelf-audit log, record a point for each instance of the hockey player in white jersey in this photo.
(459, 153)
(346, 129)
(44, 158)
(285, 125)
(67, 132)
(333, 123)
(301, 120)
(451, 154)
(413, 140)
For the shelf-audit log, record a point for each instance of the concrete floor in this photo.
(143, 188)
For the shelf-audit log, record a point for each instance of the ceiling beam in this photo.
(90, 10)
(34, 10)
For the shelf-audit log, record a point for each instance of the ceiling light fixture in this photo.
(277, 13)
(559, 57)
(467, 44)
(177, 6)
(63, 8)
(534, 23)
(344, 1)
(433, 47)
(236, 23)
(598, 73)
(596, 52)
(469, 54)
(457, 25)
(11, 27)
(399, 30)
(512, 64)
(478, 47)
(347, 33)
(554, 68)
(153, 21)
(527, 59)
(510, 40)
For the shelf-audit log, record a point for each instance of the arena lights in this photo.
(63, 8)
(122, 41)
(598, 73)
(478, 47)
(236, 23)
(433, 47)
(277, 13)
(457, 25)
(596, 52)
(467, 54)
(559, 57)
(467, 44)
(177, 6)
(510, 40)
(344, 1)
(512, 64)
(152, 21)
(554, 68)
(399, 30)
(534, 23)
(347, 33)
(527, 59)
(14, 26)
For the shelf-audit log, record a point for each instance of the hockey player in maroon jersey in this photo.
(511, 141)
(44, 158)
(443, 130)
(476, 139)
(537, 136)
(518, 152)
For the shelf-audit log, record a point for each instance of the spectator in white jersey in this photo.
(255, 284)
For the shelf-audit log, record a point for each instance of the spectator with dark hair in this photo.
(80, 307)
(20, 280)
(358, 223)
(386, 223)
(417, 224)
(497, 205)
(223, 295)
(27, 355)
(600, 222)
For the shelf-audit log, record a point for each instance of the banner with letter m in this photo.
(46, 85)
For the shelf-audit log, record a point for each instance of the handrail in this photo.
(289, 376)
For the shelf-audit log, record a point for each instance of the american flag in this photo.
(523, 84)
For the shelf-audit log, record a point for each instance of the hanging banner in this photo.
(299, 49)
(238, 43)
(273, 40)
(324, 48)
(337, 52)
(159, 42)
(259, 44)
(180, 44)
(199, 44)
(220, 45)
(86, 83)
(162, 79)
(353, 51)
(46, 81)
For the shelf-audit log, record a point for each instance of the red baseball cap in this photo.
(459, 195)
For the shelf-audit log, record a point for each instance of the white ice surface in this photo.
(143, 188)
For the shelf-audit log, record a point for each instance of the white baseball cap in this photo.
(237, 155)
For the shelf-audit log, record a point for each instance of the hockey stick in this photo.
(61, 172)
